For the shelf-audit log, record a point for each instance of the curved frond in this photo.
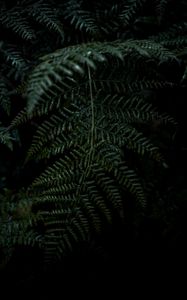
(15, 20)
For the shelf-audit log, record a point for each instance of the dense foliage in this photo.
(91, 122)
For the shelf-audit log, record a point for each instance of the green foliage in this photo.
(15, 20)
(86, 123)
(4, 98)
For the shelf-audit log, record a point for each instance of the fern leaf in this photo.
(80, 18)
(14, 19)
(46, 15)
(6, 138)
(161, 8)
(4, 98)
(130, 10)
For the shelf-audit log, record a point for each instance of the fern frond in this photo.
(15, 57)
(80, 18)
(161, 9)
(46, 15)
(4, 98)
(176, 32)
(61, 71)
(130, 10)
(5, 137)
(45, 108)
(15, 20)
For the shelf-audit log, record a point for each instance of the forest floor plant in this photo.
(86, 127)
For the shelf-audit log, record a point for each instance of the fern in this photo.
(87, 134)
(61, 68)
(14, 20)
(80, 18)
(172, 33)
(5, 137)
(161, 8)
(46, 15)
(89, 126)
(14, 56)
(4, 98)
(130, 10)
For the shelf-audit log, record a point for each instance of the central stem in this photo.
(91, 134)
